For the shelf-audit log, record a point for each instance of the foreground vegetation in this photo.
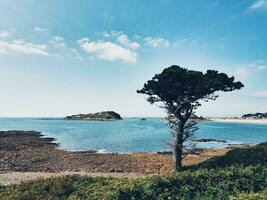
(240, 174)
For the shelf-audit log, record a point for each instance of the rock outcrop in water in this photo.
(102, 116)
(193, 117)
(209, 140)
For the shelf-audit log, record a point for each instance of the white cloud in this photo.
(123, 40)
(242, 72)
(157, 42)
(18, 41)
(39, 29)
(134, 45)
(58, 38)
(4, 34)
(22, 47)
(261, 67)
(245, 70)
(259, 64)
(83, 40)
(58, 42)
(108, 50)
(76, 54)
(262, 93)
(113, 33)
(258, 5)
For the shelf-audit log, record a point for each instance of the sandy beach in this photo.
(239, 120)
(18, 177)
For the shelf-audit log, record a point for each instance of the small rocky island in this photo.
(99, 116)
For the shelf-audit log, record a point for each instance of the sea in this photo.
(133, 134)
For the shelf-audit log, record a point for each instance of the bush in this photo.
(199, 184)
(239, 157)
(251, 196)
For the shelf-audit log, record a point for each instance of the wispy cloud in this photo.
(124, 40)
(258, 5)
(156, 42)
(39, 29)
(242, 72)
(58, 42)
(76, 54)
(113, 33)
(262, 93)
(108, 50)
(245, 70)
(22, 47)
(4, 34)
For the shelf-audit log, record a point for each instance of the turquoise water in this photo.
(131, 134)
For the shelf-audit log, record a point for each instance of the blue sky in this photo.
(64, 57)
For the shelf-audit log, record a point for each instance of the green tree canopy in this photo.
(177, 85)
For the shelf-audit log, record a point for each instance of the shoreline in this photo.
(27, 156)
(240, 120)
(29, 151)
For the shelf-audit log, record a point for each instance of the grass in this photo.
(239, 157)
(240, 174)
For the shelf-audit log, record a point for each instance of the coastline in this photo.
(26, 155)
(239, 120)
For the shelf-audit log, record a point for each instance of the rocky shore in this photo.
(29, 151)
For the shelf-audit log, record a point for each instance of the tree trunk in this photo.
(178, 148)
(178, 156)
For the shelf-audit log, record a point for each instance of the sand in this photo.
(240, 120)
(18, 177)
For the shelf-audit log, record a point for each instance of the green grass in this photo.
(239, 157)
(251, 196)
(240, 174)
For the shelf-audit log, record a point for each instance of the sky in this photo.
(62, 57)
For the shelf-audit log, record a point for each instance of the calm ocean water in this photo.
(131, 134)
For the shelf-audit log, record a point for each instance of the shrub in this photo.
(239, 157)
(199, 184)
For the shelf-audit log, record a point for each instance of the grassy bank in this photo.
(240, 174)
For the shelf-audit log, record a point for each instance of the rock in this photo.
(143, 119)
(112, 170)
(164, 152)
(115, 170)
(209, 140)
(101, 116)
(193, 117)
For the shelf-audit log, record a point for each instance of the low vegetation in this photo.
(239, 157)
(255, 116)
(240, 174)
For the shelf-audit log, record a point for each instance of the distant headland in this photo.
(99, 116)
(259, 118)
(255, 116)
